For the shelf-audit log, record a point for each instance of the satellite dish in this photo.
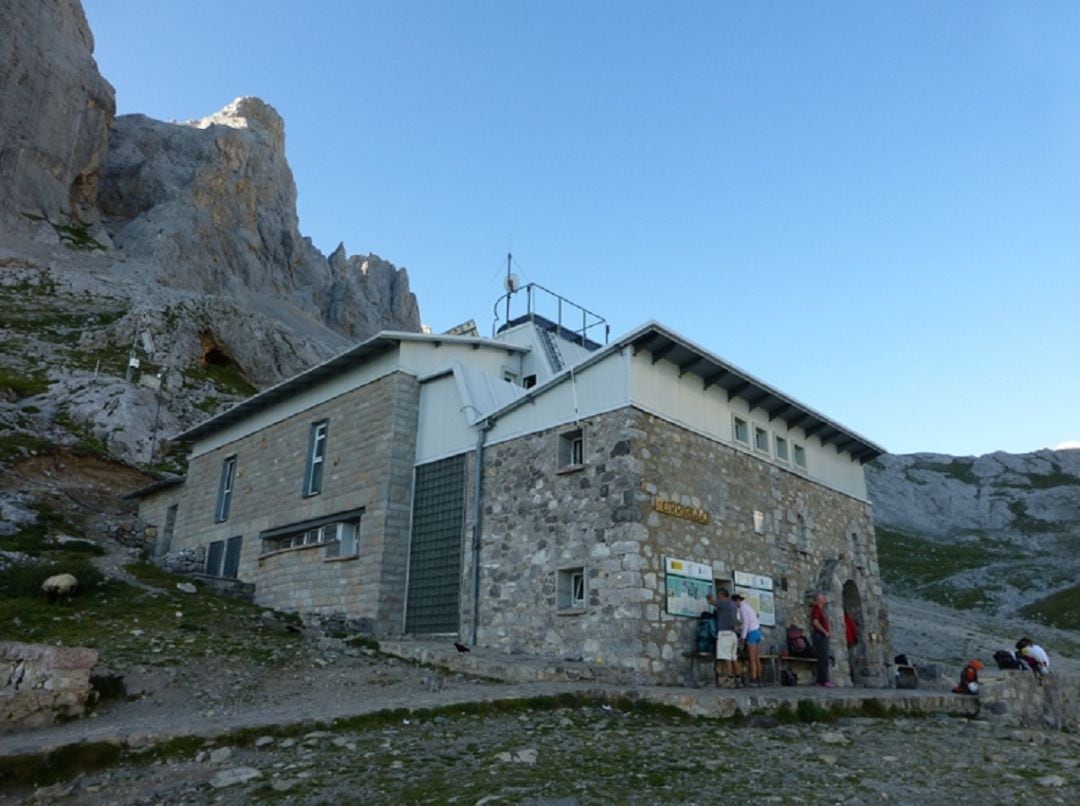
(511, 283)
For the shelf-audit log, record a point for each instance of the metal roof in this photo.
(160, 484)
(377, 345)
(664, 344)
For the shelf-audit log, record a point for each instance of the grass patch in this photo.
(1061, 609)
(959, 469)
(85, 441)
(226, 378)
(912, 561)
(22, 385)
(1028, 524)
(15, 446)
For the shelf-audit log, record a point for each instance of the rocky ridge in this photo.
(1001, 531)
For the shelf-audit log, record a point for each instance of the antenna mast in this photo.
(509, 286)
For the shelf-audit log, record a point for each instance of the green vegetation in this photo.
(86, 443)
(1027, 524)
(227, 378)
(75, 234)
(14, 446)
(1061, 609)
(22, 385)
(915, 564)
(959, 469)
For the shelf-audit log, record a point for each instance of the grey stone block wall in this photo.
(537, 521)
(370, 448)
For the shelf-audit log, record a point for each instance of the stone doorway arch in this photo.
(857, 657)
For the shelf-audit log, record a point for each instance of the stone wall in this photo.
(39, 683)
(602, 517)
(1025, 699)
(370, 448)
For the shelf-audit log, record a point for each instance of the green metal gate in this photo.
(435, 550)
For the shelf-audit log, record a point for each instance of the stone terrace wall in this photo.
(39, 683)
(602, 518)
(1028, 700)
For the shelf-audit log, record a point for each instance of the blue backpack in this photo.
(706, 633)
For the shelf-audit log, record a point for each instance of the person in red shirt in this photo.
(819, 625)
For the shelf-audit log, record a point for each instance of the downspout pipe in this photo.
(478, 517)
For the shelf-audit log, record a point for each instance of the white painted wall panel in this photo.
(443, 428)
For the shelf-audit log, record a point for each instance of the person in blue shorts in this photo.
(751, 636)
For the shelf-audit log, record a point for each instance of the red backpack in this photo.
(797, 644)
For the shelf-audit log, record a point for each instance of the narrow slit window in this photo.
(313, 478)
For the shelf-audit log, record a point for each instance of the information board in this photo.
(686, 584)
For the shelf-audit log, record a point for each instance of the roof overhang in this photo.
(356, 356)
(663, 344)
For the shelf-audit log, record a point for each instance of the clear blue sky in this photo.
(873, 206)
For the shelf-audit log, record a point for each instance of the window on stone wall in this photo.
(215, 553)
(313, 473)
(571, 449)
(759, 522)
(225, 489)
(761, 439)
(340, 538)
(570, 589)
(740, 430)
(782, 449)
(800, 456)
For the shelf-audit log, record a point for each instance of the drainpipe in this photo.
(478, 515)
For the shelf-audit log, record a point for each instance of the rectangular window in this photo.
(214, 555)
(313, 475)
(339, 538)
(740, 430)
(800, 456)
(231, 566)
(759, 522)
(761, 439)
(570, 589)
(782, 449)
(225, 488)
(571, 449)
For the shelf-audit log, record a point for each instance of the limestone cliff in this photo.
(178, 240)
(55, 112)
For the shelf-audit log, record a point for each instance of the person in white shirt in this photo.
(1033, 654)
(750, 632)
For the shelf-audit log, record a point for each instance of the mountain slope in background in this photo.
(999, 532)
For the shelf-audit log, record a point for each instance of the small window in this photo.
(316, 454)
(215, 553)
(571, 589)
(510, 377)
(800, 456)
(740, 430)
(761, 439)
(529, 382)
(759, 522)
(231, 565)
(571, 449)
(225, 488)
(782, 449)
(344, 543)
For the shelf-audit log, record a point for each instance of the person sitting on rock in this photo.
(1033, 655)
(969, 679)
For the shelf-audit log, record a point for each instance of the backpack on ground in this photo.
(706, 633)
(797, 644)
(1007, 660)
(788, 677)
(969, 679)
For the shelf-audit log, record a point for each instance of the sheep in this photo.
(60, 586)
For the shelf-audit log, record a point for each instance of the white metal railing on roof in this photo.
(570, 320)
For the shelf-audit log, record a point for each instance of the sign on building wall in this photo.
(758, 592)
(686, 584)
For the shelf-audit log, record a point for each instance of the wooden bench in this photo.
(699, 658)
(772, 664)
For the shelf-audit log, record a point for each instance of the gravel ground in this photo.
(600, 754)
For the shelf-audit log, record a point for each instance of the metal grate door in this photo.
(435, 549)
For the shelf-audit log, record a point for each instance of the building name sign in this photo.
(677, 510)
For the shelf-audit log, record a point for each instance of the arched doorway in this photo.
(857, 653)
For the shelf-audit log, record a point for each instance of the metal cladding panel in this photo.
(443, 428)
(435, 549)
